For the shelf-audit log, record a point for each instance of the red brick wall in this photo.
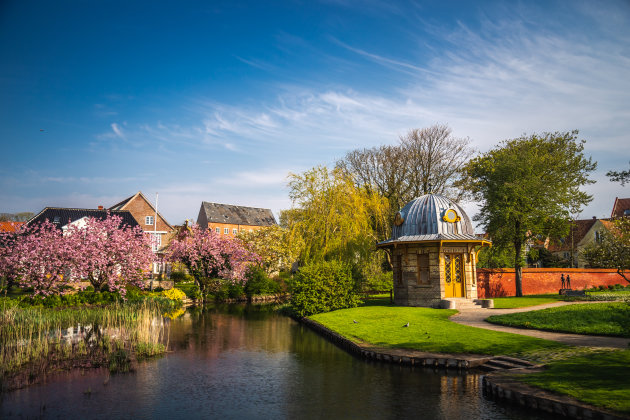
(500, 282)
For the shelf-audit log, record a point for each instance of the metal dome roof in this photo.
(425, 219)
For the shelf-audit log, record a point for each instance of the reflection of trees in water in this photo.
(213, 329)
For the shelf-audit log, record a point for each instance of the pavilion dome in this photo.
(429, 218)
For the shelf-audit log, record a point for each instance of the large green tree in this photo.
(528, 188)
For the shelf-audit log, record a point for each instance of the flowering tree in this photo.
(38, 257)
(208, 255)
(111, 254)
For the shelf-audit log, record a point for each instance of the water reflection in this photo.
(249, 362)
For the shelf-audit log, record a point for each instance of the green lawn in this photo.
(594, 318)
(600, 379)
(524, 301)
(429, 330)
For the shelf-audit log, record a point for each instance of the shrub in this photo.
(235, 291)
(181, 276)
(174, 294)
(322, 287)
(258, 283)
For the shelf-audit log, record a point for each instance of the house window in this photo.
(598, 237)
(626, 212)
(217, 230)
(398, 272)
(234, 231)
(226, 230)
(423, 269)
(156, 241)
(148, 220)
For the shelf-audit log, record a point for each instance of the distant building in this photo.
(61, 217)
(569, 247)
(621, 207)
(144, 213)
(227, 219)
(10, 227)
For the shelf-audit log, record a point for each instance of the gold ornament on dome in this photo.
(451, 216)
(399, 220)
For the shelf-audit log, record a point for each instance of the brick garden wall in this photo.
(500, 282)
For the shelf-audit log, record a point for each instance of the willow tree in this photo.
(529, 187)
(333, 217)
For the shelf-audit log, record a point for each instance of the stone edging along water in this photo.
(502, 386)
(495, 385)
(400, 356)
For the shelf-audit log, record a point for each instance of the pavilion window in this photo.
(422, 269)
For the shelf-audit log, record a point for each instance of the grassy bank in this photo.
(429, 330)
(600, 379)
(525, 301)
(533, 300)
(595, 318)
(36, 340)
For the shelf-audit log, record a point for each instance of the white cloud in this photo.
(118, 130)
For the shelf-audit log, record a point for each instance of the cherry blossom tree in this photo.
(112, 255)
(209, 255)
(40, 257)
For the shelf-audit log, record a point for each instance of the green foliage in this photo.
(374, 275)
(545, 258)
(529, 187)
(623, 177)
(86, 297)
(322, 287)
(332, 217)
(275, 246)
(496, 257)
(181, 276)
(596, 319)
(257, 283)
(191, 290)
(429, 330)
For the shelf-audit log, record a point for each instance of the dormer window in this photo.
(57, 219)
(148, 220)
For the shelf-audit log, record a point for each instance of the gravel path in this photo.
(476, 318)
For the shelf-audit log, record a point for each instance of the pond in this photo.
(240, 362)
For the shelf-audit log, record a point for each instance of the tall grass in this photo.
(33, 338)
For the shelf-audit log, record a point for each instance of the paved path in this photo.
(476, 318)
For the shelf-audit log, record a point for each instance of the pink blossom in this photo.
(208, 255)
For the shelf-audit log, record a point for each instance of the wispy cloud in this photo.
(118, 130)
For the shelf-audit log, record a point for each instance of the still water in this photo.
(247, 362)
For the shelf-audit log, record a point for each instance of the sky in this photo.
(220, 100)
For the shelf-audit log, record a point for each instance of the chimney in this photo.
(594, 218)
(101, 208)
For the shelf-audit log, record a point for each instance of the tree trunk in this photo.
(518, 270)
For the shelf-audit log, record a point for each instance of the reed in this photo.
(36, 338)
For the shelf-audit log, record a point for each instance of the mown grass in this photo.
(595, 319)
(600, 379)
(429, 330)
(525, 301)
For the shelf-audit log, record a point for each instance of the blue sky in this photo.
(219, 101)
